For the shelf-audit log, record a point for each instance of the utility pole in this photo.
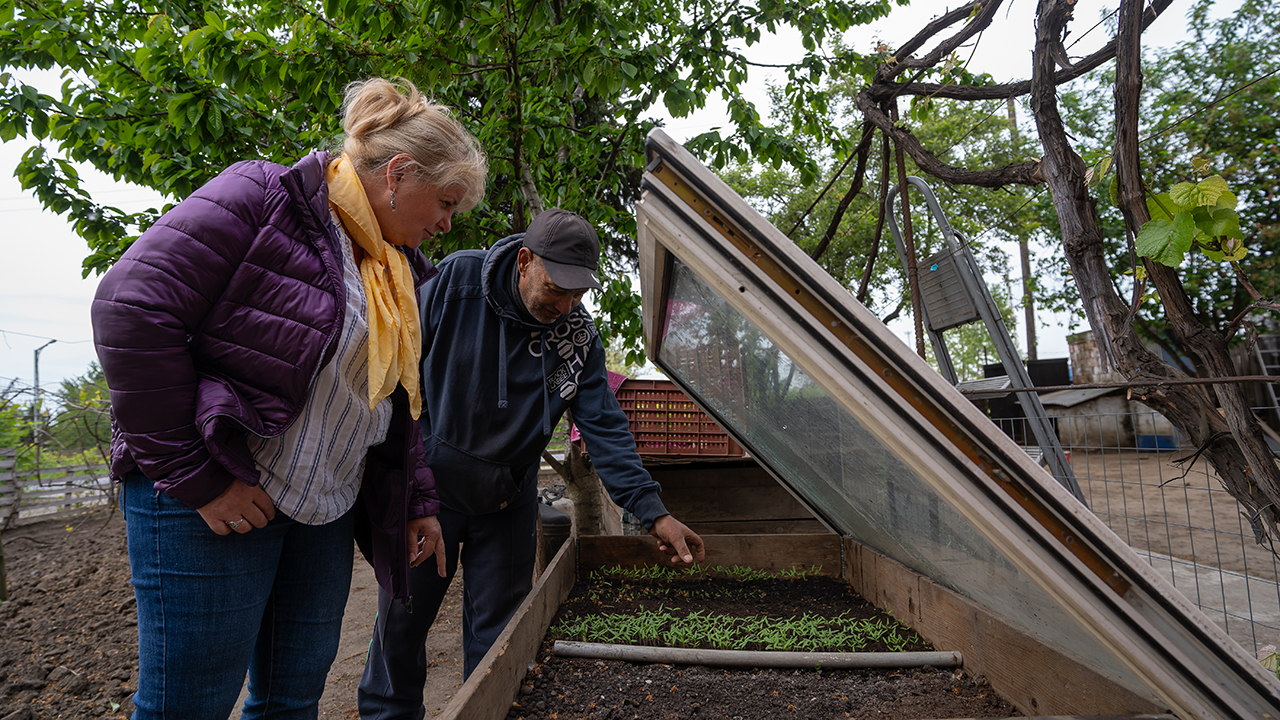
(35, 407)
(1024, 252)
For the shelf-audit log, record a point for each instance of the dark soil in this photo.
(572, 688)
(68, 635)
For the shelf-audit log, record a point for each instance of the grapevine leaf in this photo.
(1162, 207)
(1205, 192)
(1221, 222)
(1167, 242)
(1226, 200)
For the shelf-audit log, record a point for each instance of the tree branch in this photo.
(863, 150)
(884, 90)
(985, 12)
(880, 219)
(1027, 173)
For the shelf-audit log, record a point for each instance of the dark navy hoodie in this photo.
(495, 382)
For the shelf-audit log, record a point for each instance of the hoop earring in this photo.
(393, 201)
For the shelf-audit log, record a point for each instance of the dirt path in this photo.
(68, 635)
(444, 649)
(1144, 498)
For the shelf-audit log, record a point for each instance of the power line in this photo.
(42, 337)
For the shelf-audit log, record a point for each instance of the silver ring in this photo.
(233, 524)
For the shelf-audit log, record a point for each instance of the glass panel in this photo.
(830, 458)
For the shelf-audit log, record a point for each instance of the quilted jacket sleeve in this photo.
(423, 499)
(145, 312)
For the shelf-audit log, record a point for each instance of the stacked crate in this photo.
(665, 421)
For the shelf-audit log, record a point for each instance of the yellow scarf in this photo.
(395, 340)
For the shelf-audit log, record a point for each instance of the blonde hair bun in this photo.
(383, 118)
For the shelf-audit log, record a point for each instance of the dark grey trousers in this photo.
(497, 553)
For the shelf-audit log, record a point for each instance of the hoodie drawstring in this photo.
(502, 376)
(546, 399)
(502, 365)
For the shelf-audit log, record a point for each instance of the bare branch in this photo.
(884, 90)
(1027, 173)
(864, 149)
(985, 12)
(880, 219)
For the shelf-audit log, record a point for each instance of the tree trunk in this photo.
(1231, 441)
(583, 489)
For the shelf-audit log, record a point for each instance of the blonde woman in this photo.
(261, 343)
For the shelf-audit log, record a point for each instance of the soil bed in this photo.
(572, 688)
(69, 633)
(70, 630)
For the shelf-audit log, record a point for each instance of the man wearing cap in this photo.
(508, 348)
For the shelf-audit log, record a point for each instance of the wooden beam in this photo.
(772, 553)
(724, 494)
(488, 693)
(782, 526)
(1039, 679)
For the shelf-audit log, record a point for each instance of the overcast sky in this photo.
(43, 296)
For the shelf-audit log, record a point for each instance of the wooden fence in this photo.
(48, 493)
(30, 495)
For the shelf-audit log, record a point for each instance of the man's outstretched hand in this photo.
(677, 540)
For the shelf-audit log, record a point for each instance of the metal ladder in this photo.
(1267, 352)
(952, 294)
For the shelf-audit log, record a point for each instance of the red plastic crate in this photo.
(665, 421)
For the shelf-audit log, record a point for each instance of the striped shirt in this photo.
(312, 470)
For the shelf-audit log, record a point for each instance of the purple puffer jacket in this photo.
(214, 324)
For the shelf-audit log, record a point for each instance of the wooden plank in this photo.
(488, 693)
(72, 478)
(744, 492)
(681, 476)
(772, 553)
(758, 527)
(719, 504)
(93, 470)
(1037, 678)
(48, 490)
(78, 502)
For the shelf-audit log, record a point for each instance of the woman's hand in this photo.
(426, 539)
(240, 508)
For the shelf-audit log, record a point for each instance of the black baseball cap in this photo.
(568, 246)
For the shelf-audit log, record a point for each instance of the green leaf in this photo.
(1162, 207)
(214, 116)
(1167, 242)
(1205, 192)
(39, 124)
(194, 110)
(1226, 201)
(214, 21)
(1220, 222)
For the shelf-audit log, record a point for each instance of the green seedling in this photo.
(807, 633)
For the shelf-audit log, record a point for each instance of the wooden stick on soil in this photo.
(749, 658)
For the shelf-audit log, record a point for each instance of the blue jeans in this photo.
(212, 608)
(497, 551)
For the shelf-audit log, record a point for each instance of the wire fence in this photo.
(1137, 474)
